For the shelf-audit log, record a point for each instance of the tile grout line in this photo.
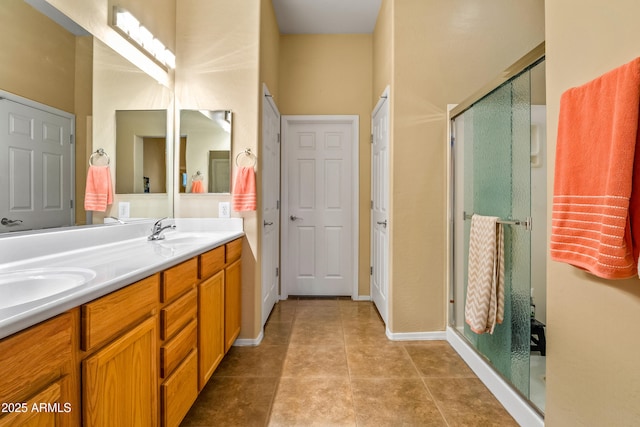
(428, 390)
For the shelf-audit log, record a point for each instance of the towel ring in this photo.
(101, 153)
(247, 152)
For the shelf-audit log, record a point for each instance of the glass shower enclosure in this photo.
(492, 160)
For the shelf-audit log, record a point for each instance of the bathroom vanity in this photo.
(137, 345)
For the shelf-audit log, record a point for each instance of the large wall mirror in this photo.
(141, 141)
(49, 59)
(205, 151)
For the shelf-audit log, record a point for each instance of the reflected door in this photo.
(36, 165)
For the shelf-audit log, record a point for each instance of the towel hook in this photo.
(247, 152)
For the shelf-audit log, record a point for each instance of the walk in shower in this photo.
(499, 169)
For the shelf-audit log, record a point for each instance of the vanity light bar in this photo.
(130, 26)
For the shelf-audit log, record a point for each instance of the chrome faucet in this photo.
(158, 228)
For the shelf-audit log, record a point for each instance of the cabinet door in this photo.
(232, 303)
(210, 326)
(31, 413)
(120, 381)
(36, 367)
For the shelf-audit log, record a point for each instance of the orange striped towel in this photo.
(484, 305)
(244, 190)
(593, 204)
(99, 190)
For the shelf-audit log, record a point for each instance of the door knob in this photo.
(267, 223)
(294, 218)
(382, 223)
(9, 222)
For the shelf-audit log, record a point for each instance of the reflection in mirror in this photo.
(205, 151)
(46, 59)
(141, 140)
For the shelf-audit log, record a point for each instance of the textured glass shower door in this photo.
(497, 182)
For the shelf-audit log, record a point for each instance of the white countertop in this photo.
(119, 254)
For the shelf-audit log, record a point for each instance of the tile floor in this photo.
(327, 362)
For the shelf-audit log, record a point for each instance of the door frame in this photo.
(354, 122)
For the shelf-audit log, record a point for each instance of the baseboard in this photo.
(248, 342)
(417, 336)
(515, 404)
(361, 298)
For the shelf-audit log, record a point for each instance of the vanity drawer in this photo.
(176, 280)
(234, 250)
(211, 262)
(172, 353)
(109, 316)
(179, 391)
(177, 314)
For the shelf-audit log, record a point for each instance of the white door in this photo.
(36, 167)
(270, 204)
(320, 198)
(380, 205)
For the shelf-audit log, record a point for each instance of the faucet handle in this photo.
(158, 223)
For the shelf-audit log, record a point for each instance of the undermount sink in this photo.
(23, 286)
(187, 239)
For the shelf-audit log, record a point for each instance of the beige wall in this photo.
(217, 69)
(83, 111)
(592, 371)
(332, 74)
(37, 56)
(269, 49)
(441, 52)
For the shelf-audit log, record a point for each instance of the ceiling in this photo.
(326, 16)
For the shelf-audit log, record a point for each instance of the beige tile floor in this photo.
(327, 362)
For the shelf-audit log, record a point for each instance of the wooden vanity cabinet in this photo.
(137, 356)
(36, 369)
(119, 372)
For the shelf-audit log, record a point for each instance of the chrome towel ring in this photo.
(98, 154)
(247, 152)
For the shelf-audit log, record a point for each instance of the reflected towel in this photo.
(484, 307)
(244, 190)
(595, 195)
(197, 187)
(99, 191)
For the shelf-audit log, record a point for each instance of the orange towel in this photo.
(593, 204)
(197, 187)
(99, 190)
(244, 190)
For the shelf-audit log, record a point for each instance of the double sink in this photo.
(80, 264)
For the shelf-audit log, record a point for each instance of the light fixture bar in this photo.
(130, 27)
